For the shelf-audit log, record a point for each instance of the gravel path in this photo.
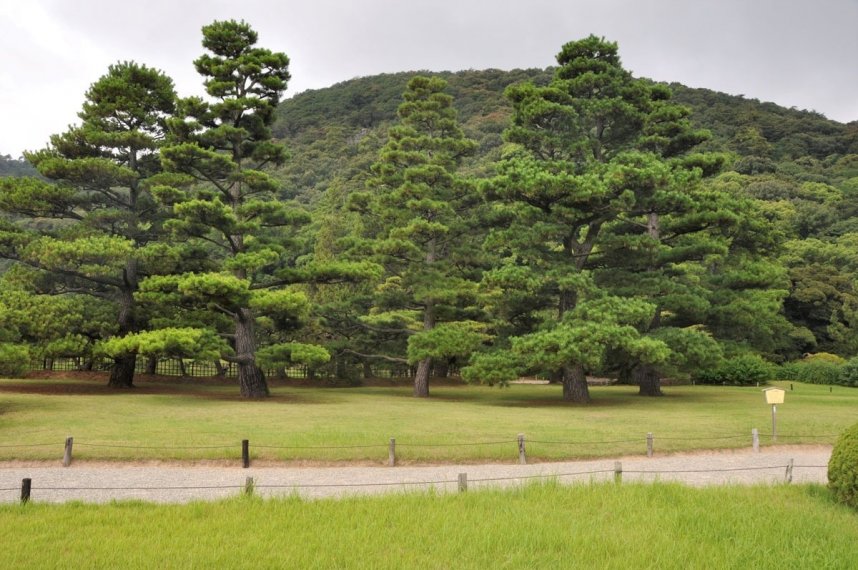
(175, 483)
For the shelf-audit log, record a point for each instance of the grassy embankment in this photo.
(538, 526)
(162, 416)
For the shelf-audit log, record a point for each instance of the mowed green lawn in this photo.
(157, 420)
(538, 526)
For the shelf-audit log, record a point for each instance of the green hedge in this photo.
(742, 370)
(819, 371)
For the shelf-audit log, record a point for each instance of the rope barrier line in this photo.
(323, 485)
(661, 438)
(705, 470)
(541, 476)
(176, 488)
(797, 435)
(455, 444)
(413, 445)
(320, 446)
(583, 442)
(122, 446)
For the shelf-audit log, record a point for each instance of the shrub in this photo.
(789, 371)
(742, 370)
(14, 359)
(849, 373)
(824, 357)
(819, 372)
(843, 468)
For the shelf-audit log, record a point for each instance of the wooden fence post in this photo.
(245, 453)
(391, 453)
(618, 472)
(649, 444)
(248, 486)
(463, 482)
(788, 474)
(522, 455)
(67, 452)
(755, 439)
(26, 484)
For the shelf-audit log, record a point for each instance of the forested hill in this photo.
(335, 132)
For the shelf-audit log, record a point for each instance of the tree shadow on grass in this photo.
(218, 392)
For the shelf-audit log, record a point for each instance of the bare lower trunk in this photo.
(152, 365)
(648, 379)
(575, 385)
(367, 369)
(421, 378)
(122, 372)
(220, 371)
(251, 379)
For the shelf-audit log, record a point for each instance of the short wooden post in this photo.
(755, 439)
(248, 486)
(463, 482)
(26, 484)
(649, 444)
(67, 453)
(618, 472)
(245, 453)
(522, 454)
(790, 387)
(788, 474)
(391, 453)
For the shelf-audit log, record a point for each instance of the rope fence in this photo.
(463, 480)
(520, 443)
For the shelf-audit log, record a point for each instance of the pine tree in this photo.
(105, 226)
(221, 195)
(419, 226)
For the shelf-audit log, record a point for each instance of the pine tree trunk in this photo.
(122, 372)
(220, 371)
(367, 369)
(575, 387)
(421, 378)
(152, 365)
(251, 379)
(648, 379)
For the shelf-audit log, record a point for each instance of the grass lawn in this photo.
(156, 418)
(537, 526)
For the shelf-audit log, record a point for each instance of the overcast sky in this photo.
(795, 53)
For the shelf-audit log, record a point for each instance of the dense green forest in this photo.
(564, 221)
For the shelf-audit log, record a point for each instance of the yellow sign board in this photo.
(774, 395)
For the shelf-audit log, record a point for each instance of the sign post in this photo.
(774, 396)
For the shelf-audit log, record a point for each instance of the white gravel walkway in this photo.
(175, 483)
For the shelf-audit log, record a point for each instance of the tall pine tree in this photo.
(97, 190)
(419, 227)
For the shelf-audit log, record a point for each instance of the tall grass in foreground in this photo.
(157, 421)
(537, 526)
